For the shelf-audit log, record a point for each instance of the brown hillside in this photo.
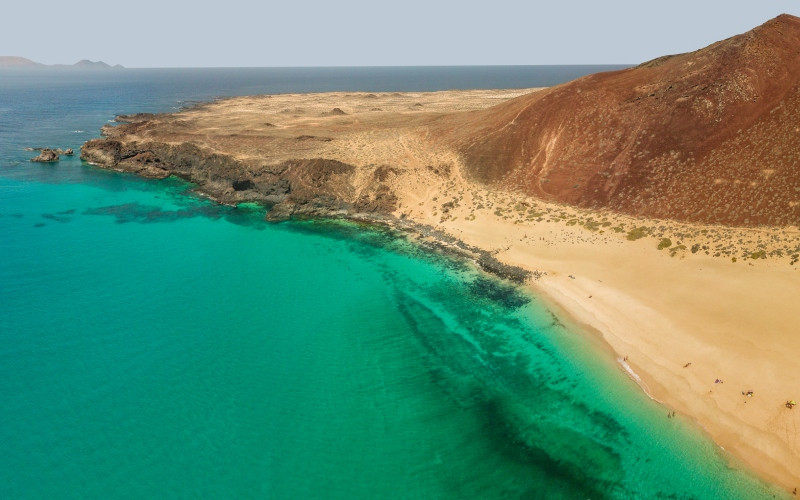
(710, 136)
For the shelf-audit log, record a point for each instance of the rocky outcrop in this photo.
(46, 156)
(301, 188)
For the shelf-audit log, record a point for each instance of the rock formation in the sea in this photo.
(49, 155)
(46, 156)
(710, 136)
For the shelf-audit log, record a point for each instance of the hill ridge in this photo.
(23, 62)
(651, 140)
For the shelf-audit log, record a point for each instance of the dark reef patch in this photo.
(564, 475)
(530, 413)
(248, 215)
(137, 212)
(56, 218)
(495, 290)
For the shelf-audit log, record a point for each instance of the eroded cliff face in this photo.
(314, 187)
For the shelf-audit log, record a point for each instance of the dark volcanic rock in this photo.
(304, 188)
(46, 156)
(145, 164)
(136, 117)
(490, 264)
(103, 152)
(243, 185)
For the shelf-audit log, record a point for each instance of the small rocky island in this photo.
(48, 155)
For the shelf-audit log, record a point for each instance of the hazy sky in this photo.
(157, 33)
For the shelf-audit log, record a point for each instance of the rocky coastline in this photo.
(301, 189)
(576, 191)
(386, 161)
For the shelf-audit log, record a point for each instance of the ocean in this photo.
(156, 344)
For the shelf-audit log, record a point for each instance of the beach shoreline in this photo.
(744, 439)
(702, 315)
(699, 365)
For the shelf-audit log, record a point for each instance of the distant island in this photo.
(22, 63)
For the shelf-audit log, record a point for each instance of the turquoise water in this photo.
(155, 344)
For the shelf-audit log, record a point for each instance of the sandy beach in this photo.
(676, 323)
(704, 318)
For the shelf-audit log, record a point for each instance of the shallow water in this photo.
(157, 344)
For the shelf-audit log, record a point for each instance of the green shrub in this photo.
(591, 225)
(665, 243)
(636, 233)
(674, 250)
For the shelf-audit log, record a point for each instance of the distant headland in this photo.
(23, 63)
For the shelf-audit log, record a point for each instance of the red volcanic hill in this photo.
(711, 136)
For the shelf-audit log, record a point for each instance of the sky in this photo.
(239, 33)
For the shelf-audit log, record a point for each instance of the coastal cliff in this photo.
(301, 155)
(314, 187)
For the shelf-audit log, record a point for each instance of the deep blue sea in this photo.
(154, 344)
